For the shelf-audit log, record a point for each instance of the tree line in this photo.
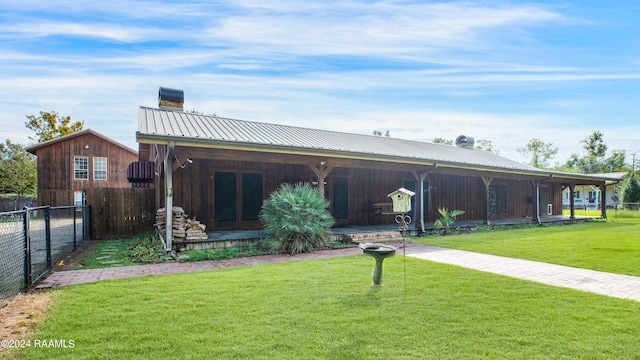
(593, 160)
(18, 175)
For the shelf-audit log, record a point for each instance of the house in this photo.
(220, 170)
(69, 165)
(589, 196)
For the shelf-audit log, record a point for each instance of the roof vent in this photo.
(170, 99)
(465, 142)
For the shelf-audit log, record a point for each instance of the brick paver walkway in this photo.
(64, 278)
(615, 285)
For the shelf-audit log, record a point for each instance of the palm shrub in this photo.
(296, 218)
(447, 218)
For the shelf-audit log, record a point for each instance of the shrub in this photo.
(219, 254)
(148, 249)
(296, 218)
(447, 218)
(631, 192)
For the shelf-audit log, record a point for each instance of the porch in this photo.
(359, 233)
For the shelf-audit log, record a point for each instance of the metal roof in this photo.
(32, 149)
(161, 126)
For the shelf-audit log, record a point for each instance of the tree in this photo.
(50, 126)
(594, 145)
(379, 133)
(440, 140)
(195, 111)
(538, 153)
(17, 170)
(595, 160)
(486, 145)
(631, 191)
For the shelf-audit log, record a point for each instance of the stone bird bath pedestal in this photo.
(378, 252)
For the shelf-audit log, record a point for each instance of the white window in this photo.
(80, 168)
(99, 168)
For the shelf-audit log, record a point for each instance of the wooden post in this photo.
(572, 202)
(321, 172)
(419, 213)
(603, 199)
(168, 172)
(487, 212)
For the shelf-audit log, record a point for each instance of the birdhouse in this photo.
(401, 200)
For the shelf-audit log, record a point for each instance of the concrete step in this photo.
(387, 237)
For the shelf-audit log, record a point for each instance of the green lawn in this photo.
(612, 245)
(325, 309)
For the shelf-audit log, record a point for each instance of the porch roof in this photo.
(159, 126)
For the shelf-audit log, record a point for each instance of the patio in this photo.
(221, 239)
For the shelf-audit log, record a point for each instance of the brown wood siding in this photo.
(56, 167)
(194, 190)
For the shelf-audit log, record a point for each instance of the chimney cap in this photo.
(170, 99)
(466, 142)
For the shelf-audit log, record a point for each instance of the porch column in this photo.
(168, 172)
(321, 172)
(572, 203)
(487, 207)
(603, 199)
(419, 213)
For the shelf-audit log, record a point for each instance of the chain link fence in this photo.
(35, 239)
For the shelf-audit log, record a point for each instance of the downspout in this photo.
(168, 171)
(537, 218)
(420, 208)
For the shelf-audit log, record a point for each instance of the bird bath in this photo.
(378, 252)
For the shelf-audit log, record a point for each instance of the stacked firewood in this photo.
(184, 229)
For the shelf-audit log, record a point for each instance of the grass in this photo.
(326, 309)
(612, 245)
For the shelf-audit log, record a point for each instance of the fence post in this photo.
(75, 231)
(47, 226)
(27, 250)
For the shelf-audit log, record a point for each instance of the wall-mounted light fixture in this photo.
(182, 166)
(86, 146)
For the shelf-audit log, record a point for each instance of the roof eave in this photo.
(273, 148)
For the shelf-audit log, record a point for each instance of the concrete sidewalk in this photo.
(615, 285)
(621, 286)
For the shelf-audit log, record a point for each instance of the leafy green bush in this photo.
(148, 249)
(220, 254)
(631, 192)
(297, 219)
(447, 218)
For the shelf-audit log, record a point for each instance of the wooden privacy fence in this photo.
(16, 204)
(121, 211)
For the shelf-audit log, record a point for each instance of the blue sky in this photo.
(504, 71)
